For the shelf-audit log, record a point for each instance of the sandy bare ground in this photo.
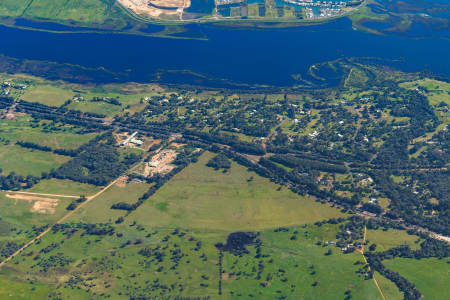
(162, 160)
(122, 182)
(155, 142)
(142, 7)
(177, 145)
(42, 194)
(41, 205)
(60, 221)
(440, 237)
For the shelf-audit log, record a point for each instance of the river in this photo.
(243, 56)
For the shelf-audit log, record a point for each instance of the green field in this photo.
(99, 210)
(18, 212)
(64, 187)
(83, 266)
(431, 276)
(334, 274)
(94, 268)
(391, 238)
(26, 162)
(13, 8)
(56, 94)
(86, 11)
(389, 289)
(22, 290)
(47, 134)
(50, 95)
(437, 91)
(200, 197)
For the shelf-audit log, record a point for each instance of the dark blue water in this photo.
(269, 56)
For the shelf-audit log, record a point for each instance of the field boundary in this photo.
(61, 220)
(43, 194)
(365, 260)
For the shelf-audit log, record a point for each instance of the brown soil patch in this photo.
(155, 142)
(226, 277)
(41, 205)
(161, 163)
(177, 145)
(122, 182)
(143, 7)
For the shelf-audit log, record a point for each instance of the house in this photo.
(136, 142)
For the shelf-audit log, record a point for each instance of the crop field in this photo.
(431, 275)
(200, 197)
(28, 162)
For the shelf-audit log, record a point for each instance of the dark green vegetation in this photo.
(306, 194)
(406, 17)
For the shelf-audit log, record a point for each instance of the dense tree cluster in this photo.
(297, 162)
(13, 181)
(66, 152)
(237, 241)
(219, 161)
(97, 163)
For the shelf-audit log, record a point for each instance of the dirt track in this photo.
(65, 217)
(365, 260)
(41, 205)
(41, 194)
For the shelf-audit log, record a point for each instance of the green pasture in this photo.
(201, 197)
(431, 275)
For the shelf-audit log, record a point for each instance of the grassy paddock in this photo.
(431, 276)
(13, 8)
(99, 209)
(388, 288)
(50, 95)
(302, 262)
(111, 264)
(86, 11)
(22, 290)
(64, 187)
(28, 162)
(21, 130)
(391, 238)
(18, 212)
(200, 197)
